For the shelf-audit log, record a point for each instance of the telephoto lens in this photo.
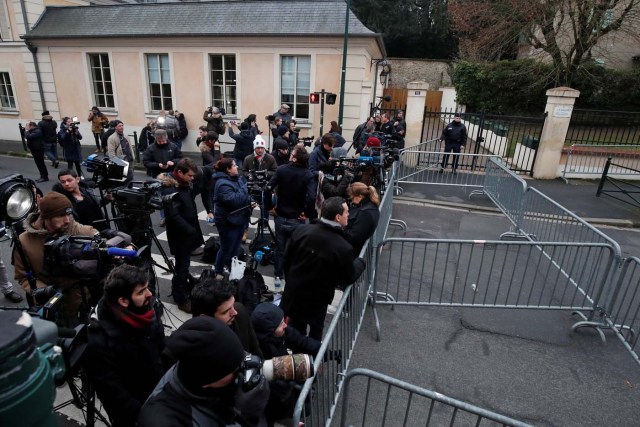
(292, 367)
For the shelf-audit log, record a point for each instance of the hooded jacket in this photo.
(231, 199)
(244, 143)
(49, 129)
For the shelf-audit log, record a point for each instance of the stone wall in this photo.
(434, 72)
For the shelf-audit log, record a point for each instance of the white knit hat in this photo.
(259, 142)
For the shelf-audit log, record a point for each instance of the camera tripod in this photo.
(262, 224)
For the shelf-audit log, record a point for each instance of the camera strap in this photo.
(25, 262)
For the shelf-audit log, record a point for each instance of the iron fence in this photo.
(599, 127)
(587, 160)
(375, 399)
(626, 189)
(624, 316)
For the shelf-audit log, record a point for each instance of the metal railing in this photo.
(380, 400)
(627, 190)
(587, 160)
(321, 391)
(478, 273)
(505, 189)
(604, 127)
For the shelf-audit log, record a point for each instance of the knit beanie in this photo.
(258, 142)
(45, 113)
(280, 145)
(282, 130)
(206, 349)
(54, 204)
(266, 318)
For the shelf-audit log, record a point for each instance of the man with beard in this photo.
(215, 297)
(54, 220)
(162, 155)
(183, 226)
(200, 389)
(126, 339)
(118, 145)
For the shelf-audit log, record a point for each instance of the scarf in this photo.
(126, 148)
(136, 321)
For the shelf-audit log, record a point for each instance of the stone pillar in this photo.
(416, 95)
(559, 107)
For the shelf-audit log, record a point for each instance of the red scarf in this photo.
(136, 321)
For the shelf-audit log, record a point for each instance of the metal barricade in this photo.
(425, 167)
(386, 210)
(479, 273)
(321, 392)
(375, 399)
(624, 316)
(587, 161)
(506, 190)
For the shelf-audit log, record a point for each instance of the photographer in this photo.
(55, 219)
(183, 226)
(201, 388)
(342, 177)
(244, 141)
(69, 137)
(86, 209)
(283, 114)
(209, 148)
(232, 210)
(294, 133)
(251, 120)
(125, 343)
(215, 122)
(98, 122)
(260, 160)
(35, 142)
(162, 155)
(296, 188)
(146, 137)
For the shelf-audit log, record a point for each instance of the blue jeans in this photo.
(284, 228)
(230, 241)
(179, 281)
(51, 151)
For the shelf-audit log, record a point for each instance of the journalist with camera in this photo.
(207, 385)
(126, 340)
(69, 137)
(215, 122)
(258, 168)
(99, 122)
(243, 138)
(54, 220)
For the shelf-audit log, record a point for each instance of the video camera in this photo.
(257, 181)
(307, 140)
(135, 198)
(114, 171)
(221, 110)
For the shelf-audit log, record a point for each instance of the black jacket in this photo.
(244, 143)
(244, 330)
(231, 200)
(181, 214)
(454, 133)
(156, 153)
(296, 189)
(317, 157)
(363, 220)
(87, 211)
(49, 129)
(124, 364)
(316, 261)
(34, 139)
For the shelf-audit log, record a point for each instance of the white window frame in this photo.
(11, 87)
(226, 100)
(163, 97)
(297, 87)
(92, 82)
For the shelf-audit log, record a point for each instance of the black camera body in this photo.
(146, 198)
(307, 140)
(106, 169)
(258, 182)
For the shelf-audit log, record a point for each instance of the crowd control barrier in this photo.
(424, 167)
(374, 399)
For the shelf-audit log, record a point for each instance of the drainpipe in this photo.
(34, 51)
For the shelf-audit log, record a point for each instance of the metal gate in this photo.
(513, 138)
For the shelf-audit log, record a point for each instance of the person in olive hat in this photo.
(54, 220)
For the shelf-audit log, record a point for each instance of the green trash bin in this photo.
(27, 374)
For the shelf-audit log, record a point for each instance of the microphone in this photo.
(121, 252)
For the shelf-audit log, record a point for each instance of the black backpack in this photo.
(251, 289)
(211, 248)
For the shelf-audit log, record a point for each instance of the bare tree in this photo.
(565, 31)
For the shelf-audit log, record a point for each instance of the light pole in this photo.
(344, 63)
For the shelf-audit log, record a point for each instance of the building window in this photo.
(101, 82)
(223, 83)
(159, 82)
(295, 83)
(7, 97)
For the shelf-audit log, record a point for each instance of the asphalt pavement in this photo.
(523, 363)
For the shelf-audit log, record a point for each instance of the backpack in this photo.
(211, 248)
(251, 289)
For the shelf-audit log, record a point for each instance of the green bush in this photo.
(519, 87)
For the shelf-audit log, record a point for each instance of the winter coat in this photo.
(181, 214)
(296, 189)
(123, 363)
(164, 153)
(215, 124)
(316, 261)
(317, 157)
(98, 121)
(363, 220)
(268, 164)
(87, 211)
(244, 143)
(49, 129)
(244, 330)
(454, 133)
(34, 138)
(340, 141)
(114, 149)
(71, 145)
(231, 199)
